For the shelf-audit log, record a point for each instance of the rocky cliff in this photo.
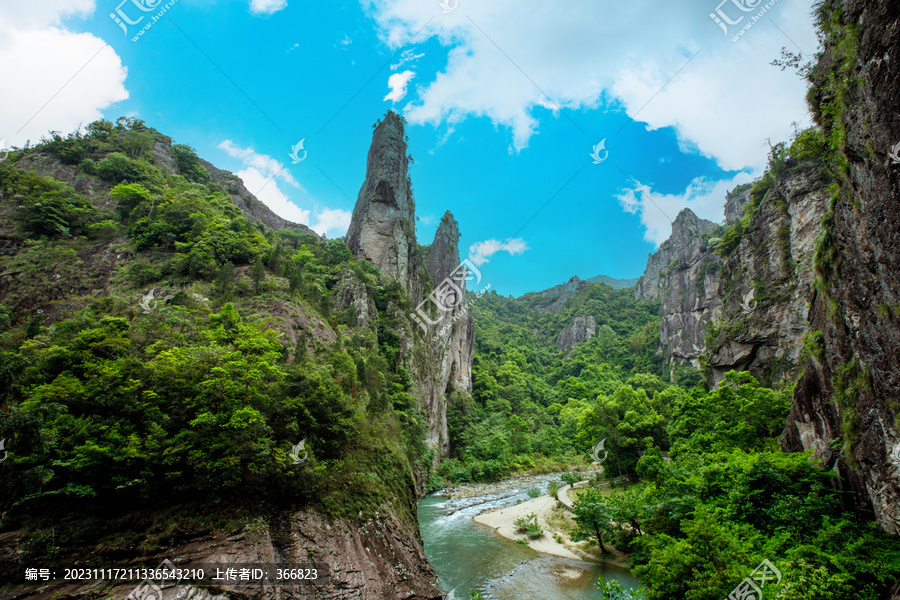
(452, 337)
(581, 329)
(382, 229)
(322, 307)
(382, 232)
(683, 276)
(371, 560)
(764, 285)
(847, 403)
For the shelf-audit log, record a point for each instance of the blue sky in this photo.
(505, 102)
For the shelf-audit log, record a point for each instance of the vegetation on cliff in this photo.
(161, 355)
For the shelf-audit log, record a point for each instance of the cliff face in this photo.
(374, 556)
(850, 388)
(441, 326)
(735, 202)
(382, 229)
(372, 560)
(683, 276)
(765, 283)
(451, 340)
(581, 329)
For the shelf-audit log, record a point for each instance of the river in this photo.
(468, 555)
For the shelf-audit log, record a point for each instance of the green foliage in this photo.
(593, 518)
(610, 589)
(128, 196)
(189, 164)
(114, 411)
(533, 492)
(738, 414)
(528, 398)
(529, 526)
(46, 207)
(118, 168)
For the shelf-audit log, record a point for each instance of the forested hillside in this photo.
(162, 356)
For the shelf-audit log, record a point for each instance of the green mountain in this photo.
(616, 284)
(185, 375)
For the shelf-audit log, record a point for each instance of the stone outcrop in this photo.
(581, 329)
(382, 232)
(683, 276)
(382, 229)
(765, 283)
(849, 394)
(735, 201)
(370, 560)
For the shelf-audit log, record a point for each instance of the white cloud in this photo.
(346, 41)
(332, 222)
(39, 57)
(265, 188)
(45, 13)
(656, 210)
(267, 7)
(506, 54)
(406, 57)
(481, 252)
(261, 175)
(263, 163)
(398, 82)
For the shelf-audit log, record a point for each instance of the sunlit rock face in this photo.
(439, 345)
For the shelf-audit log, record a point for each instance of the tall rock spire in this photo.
(382, 229)
(454, 336)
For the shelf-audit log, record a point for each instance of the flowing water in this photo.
(468, 555)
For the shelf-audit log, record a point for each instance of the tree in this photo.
(225, 278)
(189, 165)
(593, 517)
(610, 589)
(258, 274)
(128, 196)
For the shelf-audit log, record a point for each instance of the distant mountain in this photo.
(616, 284)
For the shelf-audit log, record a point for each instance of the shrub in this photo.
(117, 167)
(529, 526)
(533, 492)
(553, 487)
(571, 478)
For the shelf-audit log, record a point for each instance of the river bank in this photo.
(540, 480)
(468, 555)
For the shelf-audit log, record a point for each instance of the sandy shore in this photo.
(545, 508)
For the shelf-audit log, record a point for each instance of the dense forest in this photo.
(147, 363)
